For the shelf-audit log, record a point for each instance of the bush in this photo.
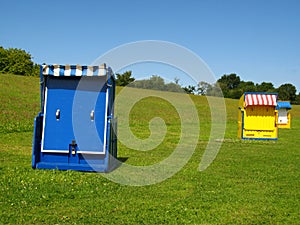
(17, 61)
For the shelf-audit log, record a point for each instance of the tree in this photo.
(247, 86)
(203, 88)
(156, 83)
(173, 87)
(124, 79)
(230, 81)
(176, 80)
(3, 60)
(265, 87)
(223, 88)
(287, 92)
(189, 89)
(215, 90)
(236, 93)
(297, 100)
(16, 61)
(19, 62)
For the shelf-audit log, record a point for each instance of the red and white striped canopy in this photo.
(261, 99)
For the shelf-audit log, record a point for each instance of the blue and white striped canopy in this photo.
(75, 70)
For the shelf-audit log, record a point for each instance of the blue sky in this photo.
(257, 40)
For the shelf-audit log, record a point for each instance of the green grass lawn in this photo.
(249, 182)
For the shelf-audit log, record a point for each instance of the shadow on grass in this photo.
(123, 159)
(116, 163)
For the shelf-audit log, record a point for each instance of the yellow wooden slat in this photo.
(259, 118)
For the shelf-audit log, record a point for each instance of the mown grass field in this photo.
(249, 182)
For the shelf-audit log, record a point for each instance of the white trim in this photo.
(56, 151)
(44, 119)
(43, 132)
(91, 152)
(67, 151)
(105, 122)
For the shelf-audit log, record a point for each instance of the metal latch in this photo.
(92, 115)
(73, 146)
(57, 114)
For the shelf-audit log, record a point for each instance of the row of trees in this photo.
(17, 61)
(233, 87)
(229, 86)
(154, 82)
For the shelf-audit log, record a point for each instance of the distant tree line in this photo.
(233, 87)
(17, 61)
(155, 82)
(229, 86)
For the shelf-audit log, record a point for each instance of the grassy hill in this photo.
(249, 182)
